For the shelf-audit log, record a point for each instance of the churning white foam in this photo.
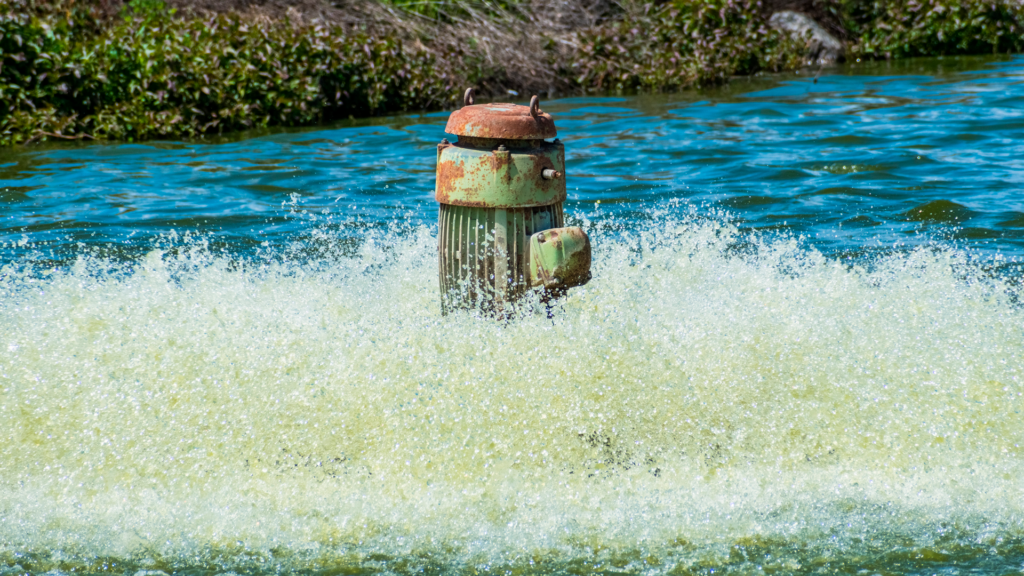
(705, 388)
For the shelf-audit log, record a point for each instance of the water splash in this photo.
(710, 399)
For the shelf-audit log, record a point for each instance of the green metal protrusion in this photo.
(559, 258)
(489, 174)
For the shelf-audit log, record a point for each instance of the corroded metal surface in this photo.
(504, 121)
(559, 258)
(500, 177)
(483, 255)
(501, 189)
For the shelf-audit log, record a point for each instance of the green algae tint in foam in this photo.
(718, 399)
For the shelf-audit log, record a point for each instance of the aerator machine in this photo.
(501, 187)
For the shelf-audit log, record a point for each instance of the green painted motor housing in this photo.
(501, 227)
(489, 173)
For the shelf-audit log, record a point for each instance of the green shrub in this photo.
(158, 76)
(902, 28)
(69, 71)
(32, 74)
(683, 44)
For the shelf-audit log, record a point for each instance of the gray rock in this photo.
(822, 47)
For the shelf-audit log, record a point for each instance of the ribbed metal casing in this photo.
(483, 252)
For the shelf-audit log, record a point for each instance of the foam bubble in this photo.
(706, 392)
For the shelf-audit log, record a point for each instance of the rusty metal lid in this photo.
(504, 121)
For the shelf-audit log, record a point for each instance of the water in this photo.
(801, 352)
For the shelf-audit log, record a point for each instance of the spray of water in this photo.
(709, 399)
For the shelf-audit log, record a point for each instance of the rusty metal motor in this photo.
(501, 187)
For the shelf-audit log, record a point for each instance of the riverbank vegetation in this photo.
(72, 69)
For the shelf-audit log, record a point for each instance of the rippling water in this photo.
(801, 351)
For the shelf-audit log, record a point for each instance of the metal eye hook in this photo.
(467, 99)
(535, 106)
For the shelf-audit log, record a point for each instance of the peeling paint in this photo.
(500, 178)
(504, 121)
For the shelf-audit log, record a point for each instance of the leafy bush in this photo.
(70, 70)
(157, 76)
(683, 44)
(902, 28)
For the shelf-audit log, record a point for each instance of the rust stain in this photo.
(576, 271)
(452, 177)
(536, 173)
(498, 178)
(499, 164)
(574, 266)
(448, 174)
(473, 204)
(505, 121)
(475, 180)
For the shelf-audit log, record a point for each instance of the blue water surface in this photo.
(865, 157)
